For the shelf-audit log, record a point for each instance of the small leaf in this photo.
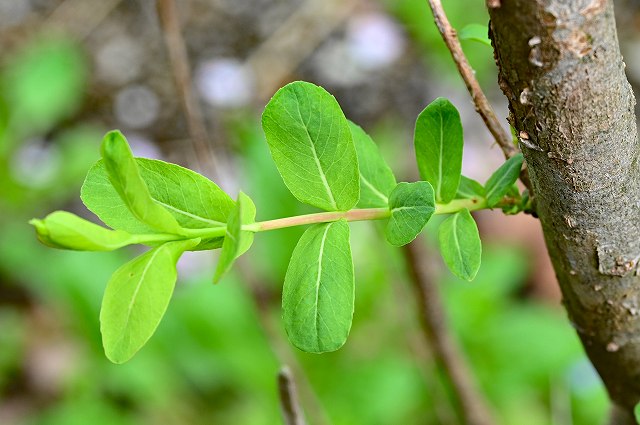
(137, 297)
(475, 32)
(460, 245)
(194, 201)
(311, 144)
(636, 412)
(236, 240)
(411, 205)
(502, 179)
(376, 178)
(438, 144)
(318, 293)
(64, 230)
(125, 177)
(469, 189)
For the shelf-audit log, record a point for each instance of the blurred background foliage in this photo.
(72, 69)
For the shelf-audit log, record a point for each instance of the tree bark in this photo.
(573, 109)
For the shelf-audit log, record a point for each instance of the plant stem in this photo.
(351, 215)
(358, 215)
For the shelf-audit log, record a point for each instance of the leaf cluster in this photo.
(325, 161)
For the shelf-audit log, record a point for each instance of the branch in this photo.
(567, 90)
(179, 61)
(472, 405)
(483, 107)
(289, 403)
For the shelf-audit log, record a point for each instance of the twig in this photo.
(466, 72)
(473, 407)
(179, 61)
(262, 298)
(289, 404)
(483, 107)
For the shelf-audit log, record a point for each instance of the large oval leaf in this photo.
(193, 200)
(137, 297)
(376, 178)
(311, 145)
(318, 293)
(438, 143)
(460, 245)
(411, 206)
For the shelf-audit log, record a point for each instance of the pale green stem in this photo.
(358, 215)
(363, 214)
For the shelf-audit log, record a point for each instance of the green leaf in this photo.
(438, 144)
(469, 189)
(475, 32)
(193, 200)
(311, 145)
(64, 230)
(411, 206)
(126, 179)
(319, 291)
(236, 240)
(137, 297)
(502, 179)
(636, 412)
(460, 245)
(376, 178)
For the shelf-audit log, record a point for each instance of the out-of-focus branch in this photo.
(473, 407)
(289, 403)
(482, 105)
(179, 61)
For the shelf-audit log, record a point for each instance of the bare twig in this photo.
(289, 403)
(483, 107)
(281, 348)
(179, 61)
(466, 72)
(473, 407)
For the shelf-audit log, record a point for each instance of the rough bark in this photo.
(573, 109)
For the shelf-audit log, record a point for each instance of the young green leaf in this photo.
(502, 179)
(376, 178)
(311, 144)
(318, 293)
(636, 412)
(236, 240)
(469, 189)
(475, 32)
(125, 177)
(64, 230)
(194, 201)
(137, 297)
(438, 144)
(460, 245)
(411, 205)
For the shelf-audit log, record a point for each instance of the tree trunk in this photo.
(573, 109)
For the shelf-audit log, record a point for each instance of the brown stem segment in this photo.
(561, 70)
(181, 69)
(473, 407)
(289, 404)
(480, 101)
